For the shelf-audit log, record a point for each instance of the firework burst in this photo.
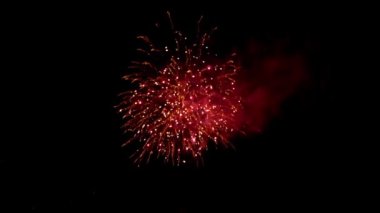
(181, 103)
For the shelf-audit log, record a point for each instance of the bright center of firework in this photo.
(177, 109)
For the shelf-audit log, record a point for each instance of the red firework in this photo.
(180, 106)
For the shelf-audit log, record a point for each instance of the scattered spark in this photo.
(181, 106)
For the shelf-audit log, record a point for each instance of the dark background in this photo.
(65, 153)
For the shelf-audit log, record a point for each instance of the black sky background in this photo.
(65, 153)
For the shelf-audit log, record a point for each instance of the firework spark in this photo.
(182, 103)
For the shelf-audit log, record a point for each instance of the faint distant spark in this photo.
(174, 110)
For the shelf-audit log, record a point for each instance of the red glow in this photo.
(269, 81)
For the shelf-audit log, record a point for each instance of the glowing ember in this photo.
(182, 103)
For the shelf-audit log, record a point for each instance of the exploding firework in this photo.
(181, 102)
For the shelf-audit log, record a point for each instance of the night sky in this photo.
(65, 153)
